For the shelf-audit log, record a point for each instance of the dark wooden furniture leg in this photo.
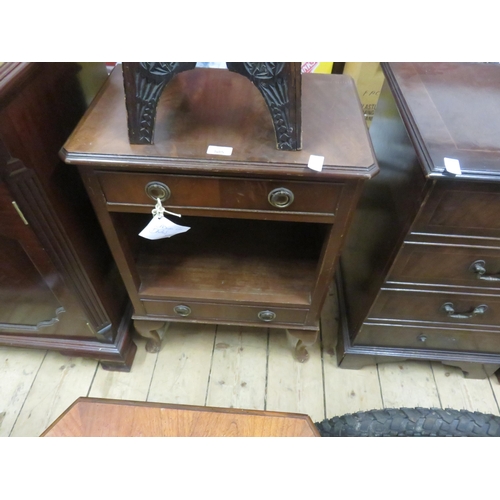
(280, 85)
(144, 83)
(300, 340)
(148, 329)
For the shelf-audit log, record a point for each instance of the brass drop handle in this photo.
(182, 310)
(280, 197)
(479, 269)
(266, 316)
(157, 190)
(449, 309)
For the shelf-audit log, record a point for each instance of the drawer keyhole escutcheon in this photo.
(449, 309)
(280, 198)
(479, 269)
(157, 190)
(182, 310)
(266, 316)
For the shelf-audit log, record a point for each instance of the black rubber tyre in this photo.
(411, 422)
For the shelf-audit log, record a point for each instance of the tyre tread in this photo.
(405, 422)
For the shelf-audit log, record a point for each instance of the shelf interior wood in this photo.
(218, 259)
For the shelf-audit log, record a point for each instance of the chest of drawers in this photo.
(265, 230)
(421, 268)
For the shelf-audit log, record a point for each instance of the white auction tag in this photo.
(160, 227)
(219, 150)
(452, 166)
(316, 162)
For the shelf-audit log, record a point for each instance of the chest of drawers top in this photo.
(213, 107)
(451, 110)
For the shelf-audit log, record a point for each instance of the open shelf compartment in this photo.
(229, 260)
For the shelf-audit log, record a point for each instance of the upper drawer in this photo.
(443, 265)
(461, 208)
(226, 194)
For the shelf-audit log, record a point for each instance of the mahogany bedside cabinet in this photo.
(265, 229)
(421, 267)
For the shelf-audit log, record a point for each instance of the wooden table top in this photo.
(203, 107)
(94, 417)
(451, 110)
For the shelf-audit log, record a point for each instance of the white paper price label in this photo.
(160, 227)
(316, 163)
(452, 166)
(219, 150)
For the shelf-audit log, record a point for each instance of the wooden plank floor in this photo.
(232, 367)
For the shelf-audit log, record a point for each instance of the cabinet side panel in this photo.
(385, 212)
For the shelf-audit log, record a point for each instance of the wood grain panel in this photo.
(99, 418)
(445, 266)
(59, 382)
(411, 306)
(408, 385)
(461, 393)
(239, 366)
(459, 339)
(18, 370)
(346, 391)
(183, 365)
(292, 386)
(224, 312)
(456, 208)
(219, 193)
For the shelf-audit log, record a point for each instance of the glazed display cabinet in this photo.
(59, 287)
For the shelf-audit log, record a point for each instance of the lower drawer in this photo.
(439, 308)
(448, 339)
(224, 312)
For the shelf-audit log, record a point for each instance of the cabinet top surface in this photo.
(204, 107)
(451, 110)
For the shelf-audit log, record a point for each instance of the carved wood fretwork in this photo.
(144, 83)
(278, 82)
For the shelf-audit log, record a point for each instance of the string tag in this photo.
(160, 227)
(159, 210)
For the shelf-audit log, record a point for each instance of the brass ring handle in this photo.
(449, 309)
(479, 269)
(266, 316)
(280, 197)
(182, 310)
(157, 190)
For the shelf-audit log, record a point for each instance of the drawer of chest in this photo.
(461, 208)
(443, 265)
(179, 310)
(228, 194)
(437, 308)
(450, 339)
